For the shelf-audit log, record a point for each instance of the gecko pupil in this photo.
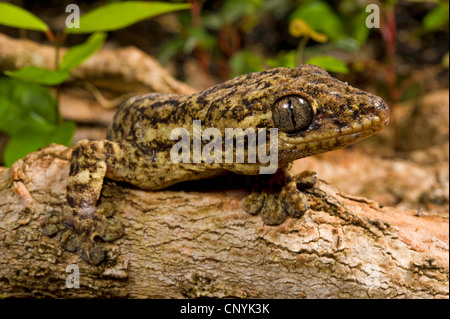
(292, 114)
(291, 109)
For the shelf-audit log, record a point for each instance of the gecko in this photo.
(312, 111)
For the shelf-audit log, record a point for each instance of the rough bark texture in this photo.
(197, 243)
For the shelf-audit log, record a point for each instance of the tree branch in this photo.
(122, 70)
(197, 243)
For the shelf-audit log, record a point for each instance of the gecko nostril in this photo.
(379, 103)
(380, 109)
(383, 108)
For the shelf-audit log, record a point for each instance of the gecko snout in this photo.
(374, 110)
(381, 110)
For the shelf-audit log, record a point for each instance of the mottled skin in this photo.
(138, 145)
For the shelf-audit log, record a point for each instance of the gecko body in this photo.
(312, 111)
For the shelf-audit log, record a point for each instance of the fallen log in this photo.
(190, 242)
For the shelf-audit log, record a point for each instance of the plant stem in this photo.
(56, 40)
(50, 36)
(301, 49)
(58, 116)
(57, 49)
(59, 39)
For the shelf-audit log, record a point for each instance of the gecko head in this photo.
(312, 111)
(318, 113)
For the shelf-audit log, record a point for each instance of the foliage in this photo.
(336, 30)
(17, 17)
(246, 62)
(200, 34)
(310, 21)
(120, 15)
(29, 113)
(77, 54)
(329, 63)
(40, 75)
(253, 35)
(238, 36)
(437, 18)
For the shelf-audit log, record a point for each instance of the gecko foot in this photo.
(280, 197)
(84, 234)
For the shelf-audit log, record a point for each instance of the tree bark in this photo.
(198, 243)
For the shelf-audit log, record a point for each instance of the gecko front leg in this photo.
(87, 225)
(280, 196)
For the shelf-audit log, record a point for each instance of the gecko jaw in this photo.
(333, 142)
(333, 136)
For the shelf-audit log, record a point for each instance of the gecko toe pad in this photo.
(84, 234)
(277, 200)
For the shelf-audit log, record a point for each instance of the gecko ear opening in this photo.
(292, 114)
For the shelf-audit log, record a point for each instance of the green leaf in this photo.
(22, 143)
(321, 17)
(27, 115)
(234, 11)
(31, 139)
(286, 59)
(198, 38)
(436, 18)
(358, 29)
(329, 63)
(119, 15)
(77, 54)
(246, 61)
(348, 44)
(14, 16)
(24, 104)
(170, 49)
(61, 134)
(39, 75)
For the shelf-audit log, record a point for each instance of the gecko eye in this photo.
(292, 114)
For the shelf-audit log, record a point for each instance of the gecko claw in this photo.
(83, 234)
(278, 199)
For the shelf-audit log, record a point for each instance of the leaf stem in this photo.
(301, 49)
(50, 35)
(59, 39)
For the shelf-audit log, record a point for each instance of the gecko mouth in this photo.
(333, 141)
(346, 135)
